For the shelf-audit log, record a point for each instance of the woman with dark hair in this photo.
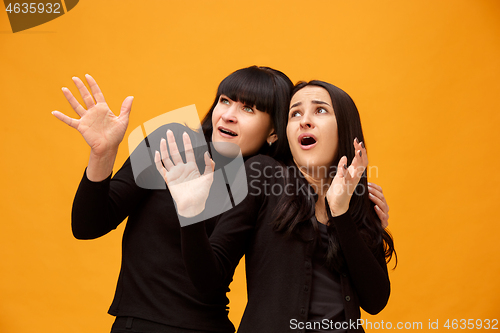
(315, 251)
(153, 292)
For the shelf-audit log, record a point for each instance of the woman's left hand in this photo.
(345, 181)
(188, 187)
(381, 207)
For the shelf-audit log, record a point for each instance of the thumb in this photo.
(65, 119)
(126, 106)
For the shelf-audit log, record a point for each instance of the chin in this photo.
(315, 166)
(228, 149)
(219, 138)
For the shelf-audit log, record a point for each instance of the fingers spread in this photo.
(174, 151)
(96, 91)
(164, 154)
(84, 92)
(188, 148)
(159, 166)
(73, 102)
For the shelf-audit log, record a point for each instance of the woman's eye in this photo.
(224, 100)
(322, 110)
(294, 114)
(248, 109)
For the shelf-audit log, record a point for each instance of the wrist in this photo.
(191, 211)
(106, 154)
(336, 208)
(338, 211)
(100, 165)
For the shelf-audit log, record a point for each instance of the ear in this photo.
(272, 137)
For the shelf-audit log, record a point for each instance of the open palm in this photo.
(188, 187)
(101, 129)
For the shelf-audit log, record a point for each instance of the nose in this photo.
(230, 115)
(306, 121)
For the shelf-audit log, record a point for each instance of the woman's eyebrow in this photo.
(314, 102)
(320, 102)
(296, 104)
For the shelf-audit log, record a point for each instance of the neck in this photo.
(320, 183)
(318, 180)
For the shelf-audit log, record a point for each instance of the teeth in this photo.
(228, 132)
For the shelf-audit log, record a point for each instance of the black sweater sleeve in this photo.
(367, 271)
(211, 262)
(100, 207)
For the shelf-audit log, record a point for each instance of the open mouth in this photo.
(307, 141)
(227, 132)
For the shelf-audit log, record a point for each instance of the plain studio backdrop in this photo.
(424, 75)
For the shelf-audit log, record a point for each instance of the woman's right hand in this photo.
(346, 179)
(188, 187)
(101, 129)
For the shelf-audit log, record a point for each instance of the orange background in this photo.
(425, 77)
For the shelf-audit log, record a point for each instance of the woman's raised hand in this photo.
(188, 187)
(345, 181)
(101, 129)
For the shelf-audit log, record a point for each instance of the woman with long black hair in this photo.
(315, 250)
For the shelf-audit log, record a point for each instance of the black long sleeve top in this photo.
(279, 267)
(153, 283)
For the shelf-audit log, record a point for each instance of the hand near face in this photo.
(188, 187)
(101, 129)
(381, 207)
(344, 183)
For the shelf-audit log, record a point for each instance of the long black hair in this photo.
(294, 210)
(265, 88)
